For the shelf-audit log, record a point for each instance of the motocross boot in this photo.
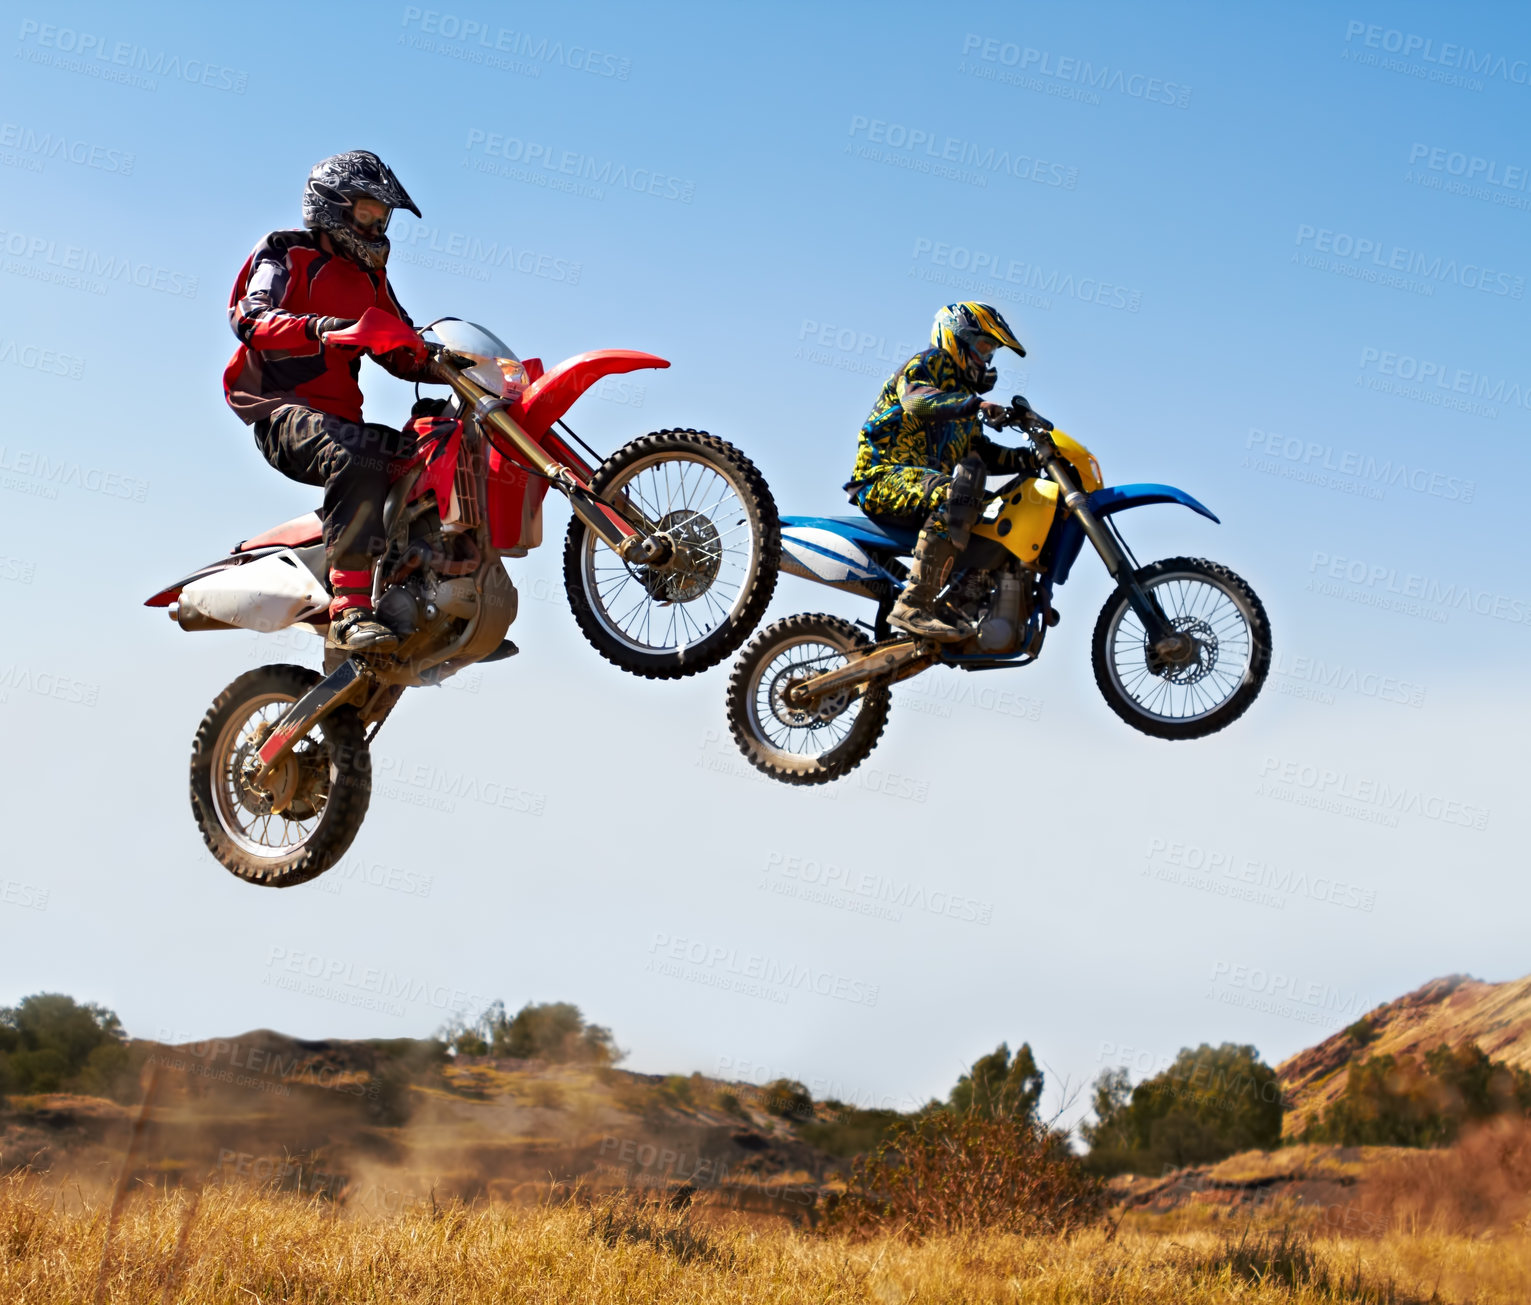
(916, 611)
(354, 626)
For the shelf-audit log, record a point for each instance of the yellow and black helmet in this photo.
(958, 330)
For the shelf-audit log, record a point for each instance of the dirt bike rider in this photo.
(300, 391)
(923, 456)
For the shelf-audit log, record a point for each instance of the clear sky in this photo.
(1274, 254)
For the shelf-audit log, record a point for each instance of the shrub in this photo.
(850, 1130)
(1400, 1101)
(786, 1098)
(1362, 1031)
(942, 1173)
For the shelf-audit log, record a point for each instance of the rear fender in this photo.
(312, 557)
(171, 592)
(267, 593)
(1107, 502)
(552, 394)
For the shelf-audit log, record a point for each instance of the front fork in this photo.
(1165, 640)
(633, 541)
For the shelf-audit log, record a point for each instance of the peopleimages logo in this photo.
(64, 149)
(470, 33)
(43, 258)
(1377, 256)
(1435, 382)
(1076, 72)
(926, 151)
(561, 169)
(979, 263)
(109, 55)
(1378, 474)
(1470, 167)
(752, 973)
(1345, 793)
(1445, 54)
(1444, 595)
(457, 251)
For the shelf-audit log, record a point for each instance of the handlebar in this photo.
(1022, 416)
(377, 331)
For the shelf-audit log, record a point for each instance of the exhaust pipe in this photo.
(189, 616)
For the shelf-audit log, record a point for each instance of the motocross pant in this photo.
(351, 460)
(908, 498)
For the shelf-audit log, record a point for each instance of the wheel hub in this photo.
(294, 782)
(792, 709)
(694, 561)
(1193, 660)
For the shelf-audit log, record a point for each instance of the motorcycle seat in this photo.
(865, 530)
(295, 534)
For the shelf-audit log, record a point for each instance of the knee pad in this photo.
(965, 500)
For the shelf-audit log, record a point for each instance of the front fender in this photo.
(1106, 502)
(1118, 498)
(553, 393)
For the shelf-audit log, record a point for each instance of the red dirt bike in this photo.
(669, 562)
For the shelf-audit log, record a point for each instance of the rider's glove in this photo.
(993, 414)
(407, 363)
(319, 327)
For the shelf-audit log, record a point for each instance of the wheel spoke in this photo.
(710, 562)
(1209, 613)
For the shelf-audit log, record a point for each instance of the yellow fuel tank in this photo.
(1025, 516)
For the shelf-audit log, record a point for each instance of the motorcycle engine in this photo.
(1003, 625)
(400, 606)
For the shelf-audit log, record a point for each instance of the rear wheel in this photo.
(691, 611)
(299, 826)
(811, 743)
(1221, 673)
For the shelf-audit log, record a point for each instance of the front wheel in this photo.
(1212, 684)
(299, 826)
(810, 743)
(688, 613)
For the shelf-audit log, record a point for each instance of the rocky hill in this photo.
(1454, 1009)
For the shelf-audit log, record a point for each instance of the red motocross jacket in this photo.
(289, 282)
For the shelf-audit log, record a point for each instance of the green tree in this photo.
(52, 1043)
(1210, 1103)
(998, 1087)
(554, 1031)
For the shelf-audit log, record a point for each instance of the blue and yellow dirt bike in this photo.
(1181, 647)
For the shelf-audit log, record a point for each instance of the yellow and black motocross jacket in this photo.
(926, 417)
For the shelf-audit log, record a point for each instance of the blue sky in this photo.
(1276, 255)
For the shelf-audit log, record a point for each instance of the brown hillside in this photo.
(1454, 1009)
(383, 1123)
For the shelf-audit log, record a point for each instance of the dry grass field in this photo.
(250, 1245)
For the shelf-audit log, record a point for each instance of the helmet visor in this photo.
(370, 216)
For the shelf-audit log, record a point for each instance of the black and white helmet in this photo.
(334, 185)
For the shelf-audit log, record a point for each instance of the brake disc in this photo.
(811, 717)
(1198, 664)
(695, 558)
(290, 787)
